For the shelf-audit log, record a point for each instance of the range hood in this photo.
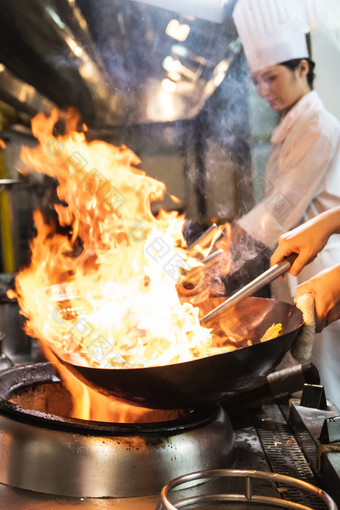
(115, 61)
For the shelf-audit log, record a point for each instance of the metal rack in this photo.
(188, 494)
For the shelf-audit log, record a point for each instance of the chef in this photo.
(306, 241)
(302, 176)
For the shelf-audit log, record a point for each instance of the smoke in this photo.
(249, 259)
(214, 276)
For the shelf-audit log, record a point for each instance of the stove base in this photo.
(18, 499)
(50, 454)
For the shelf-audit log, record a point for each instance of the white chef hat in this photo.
(271, 31)
(324, 15)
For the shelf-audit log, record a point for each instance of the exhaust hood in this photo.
(115, 61)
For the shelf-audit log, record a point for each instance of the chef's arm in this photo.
(325, 288)
(308, 239)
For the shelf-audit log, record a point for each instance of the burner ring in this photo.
(78, 458)
(20, 377)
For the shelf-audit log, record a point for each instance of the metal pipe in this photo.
(255, 285)
(205, 238)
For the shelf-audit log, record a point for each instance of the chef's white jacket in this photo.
(302, 180)
(302, 177)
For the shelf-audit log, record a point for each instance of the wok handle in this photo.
(267, 277)
(276, 384)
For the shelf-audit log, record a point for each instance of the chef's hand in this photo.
(306, 241)
(325, 288)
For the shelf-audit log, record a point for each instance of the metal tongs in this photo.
(267, 277)
(8, 183)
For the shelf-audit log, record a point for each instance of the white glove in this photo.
(302, 347)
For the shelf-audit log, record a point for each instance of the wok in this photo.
(195, 383)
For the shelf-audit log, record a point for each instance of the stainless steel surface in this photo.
(249, 425)
(281, 451)
(281, 447)
(18, 499)
(307, 424)
(4, 183)
(21, 95)
(199, 273)
(76, 458)
(205, 238)
(5, 362)
(16, 344)
(213, 257)
(255, 285)
(210, 487)
(106, 59)
(70, 464)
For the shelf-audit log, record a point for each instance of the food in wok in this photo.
(211, 378)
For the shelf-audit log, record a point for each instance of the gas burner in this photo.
(49, 453)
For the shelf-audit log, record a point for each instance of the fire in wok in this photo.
(103, 296)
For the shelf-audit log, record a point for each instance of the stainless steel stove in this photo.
(278, 436)
(61, 457)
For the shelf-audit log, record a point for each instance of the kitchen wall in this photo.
(326, 54)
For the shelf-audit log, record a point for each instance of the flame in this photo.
(101, 286)
(88, 404)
